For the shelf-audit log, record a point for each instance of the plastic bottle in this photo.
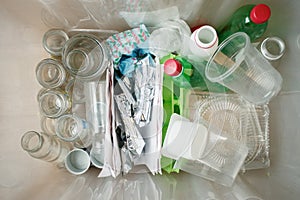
(251, 19)
(180, 70)
(184, 74)
(204, 42)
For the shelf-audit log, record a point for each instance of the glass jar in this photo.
(54, 103)
(54, 40)
(272, 48)
(48, 125)
(85, 57)
(75, 90)
(45, 147)
(71, 128)
(50, 73)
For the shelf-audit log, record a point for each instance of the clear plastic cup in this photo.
(222, 157)
(236, 64)
(225, 150)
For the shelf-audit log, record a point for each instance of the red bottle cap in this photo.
(172, 67)
(260, 13)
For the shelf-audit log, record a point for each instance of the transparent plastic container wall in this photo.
(22, 177)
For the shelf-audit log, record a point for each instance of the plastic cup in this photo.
(236, 64)
(223, 154)
(77, 161)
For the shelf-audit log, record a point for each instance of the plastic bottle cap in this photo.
(172, 67)
(260, 13)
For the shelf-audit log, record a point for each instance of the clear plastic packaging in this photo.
(252, 127)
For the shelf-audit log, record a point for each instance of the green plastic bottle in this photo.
(180, 70)
(251, 19)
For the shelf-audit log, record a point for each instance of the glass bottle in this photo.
(50, 73)
(85, 57)
(71, 128)
(53, 103)
(54, 40)
(45, 147)
(75, 90)
(48, 125)
(251, 19)
(272, 48)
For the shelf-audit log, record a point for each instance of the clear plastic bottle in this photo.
(251, 19)
(45, 147)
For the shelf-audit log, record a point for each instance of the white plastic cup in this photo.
(77, 161)
(237, 65)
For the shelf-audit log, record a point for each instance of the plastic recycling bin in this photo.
(23, 24)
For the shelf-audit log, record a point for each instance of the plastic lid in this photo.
(172, 67)
(260, 13)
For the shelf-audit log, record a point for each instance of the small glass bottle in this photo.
(45, 147)
(272, 48)
(71, 128)
(85, 57)
(50, 73)
(54, 103)
(54, 40)
(48, 125)
(75, 90)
